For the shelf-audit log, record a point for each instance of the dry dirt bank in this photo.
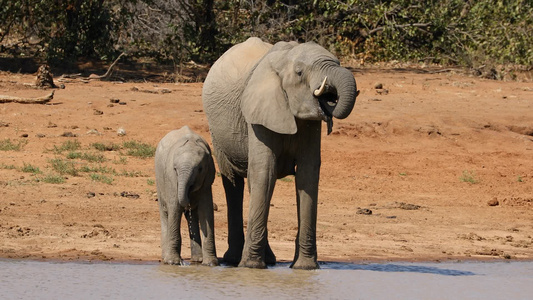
(424, 155)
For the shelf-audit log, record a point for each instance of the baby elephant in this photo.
(184, 172)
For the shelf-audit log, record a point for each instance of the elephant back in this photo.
(237, 62)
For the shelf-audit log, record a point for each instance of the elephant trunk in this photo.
(344, 82)
(184, 185)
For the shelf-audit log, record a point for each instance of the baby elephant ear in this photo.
(264, 102)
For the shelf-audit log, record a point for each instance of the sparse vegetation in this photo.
(70, 145)
(98, 169)
(105, 147)
(101, 178)
(8, 145)
(55, 179)
(150, 181)
(7, 167)
(139, 149)
(469, 176)
(64, 167)
(121, 161)
(28, 168)
(98, 158)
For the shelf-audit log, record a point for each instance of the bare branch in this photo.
(23, 100)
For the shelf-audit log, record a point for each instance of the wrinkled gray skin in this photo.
(265, 124)
(184, 172)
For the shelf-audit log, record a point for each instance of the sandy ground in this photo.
(424, 155)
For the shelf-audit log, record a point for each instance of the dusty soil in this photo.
(407, 176)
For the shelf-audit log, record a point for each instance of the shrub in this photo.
(8, 145)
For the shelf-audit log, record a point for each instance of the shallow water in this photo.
(21, 279)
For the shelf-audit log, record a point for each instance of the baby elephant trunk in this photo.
(185, 182)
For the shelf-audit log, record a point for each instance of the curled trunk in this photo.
(344, 83)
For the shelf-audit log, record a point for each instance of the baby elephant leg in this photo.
(171, 237)
(194, 234)
(207, 225)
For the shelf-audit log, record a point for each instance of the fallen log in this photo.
(92, 76)
(23, 100)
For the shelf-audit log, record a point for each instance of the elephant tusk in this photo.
(321, 89)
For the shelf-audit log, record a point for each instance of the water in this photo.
(74, 280)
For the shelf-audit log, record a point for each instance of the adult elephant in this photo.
(264, 104)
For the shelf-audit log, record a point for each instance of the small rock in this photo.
(121, 131)
(215, 207)
(98, 112)
(130, 195)
(364, 211)
(62, 86)
(91, 195)
(382, 91)
(408, 206)
(69, 134)
(24, 135)
(114, 100)
(493, 202)
(378, 86)
(122, 103)
(40, 135)
(93, 132)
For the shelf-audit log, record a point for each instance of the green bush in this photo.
(454, 32)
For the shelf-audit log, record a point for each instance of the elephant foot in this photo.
(305, 263)
(196, 259)
(211, 262)
(173, 260)
(252, 263)
(232, 257)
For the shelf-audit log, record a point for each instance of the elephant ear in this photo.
(211, 172)
(264, 101)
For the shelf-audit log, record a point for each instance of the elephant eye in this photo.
(298, 70)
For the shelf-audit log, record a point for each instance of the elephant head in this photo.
(194, 169)
(302, 81)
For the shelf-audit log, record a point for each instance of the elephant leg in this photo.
(163, 216)
(172, 249)
(307, 178)
(207, 225)
(234, 197)
(261, 179)
(194, 235)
